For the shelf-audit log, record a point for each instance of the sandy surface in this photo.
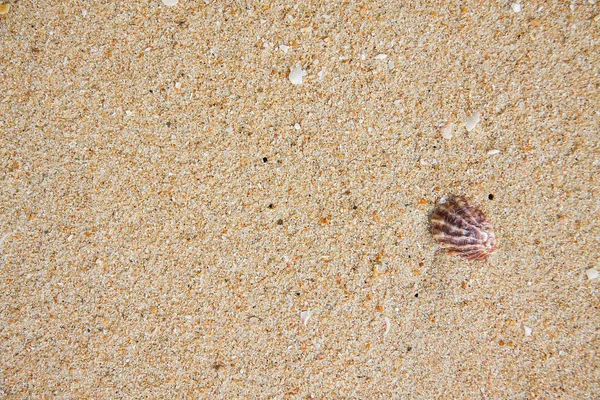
(170, 202)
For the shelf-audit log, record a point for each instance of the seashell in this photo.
(462, 229)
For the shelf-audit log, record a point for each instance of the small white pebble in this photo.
(321, 73)
(297, 126)
(516, 7)
(229, 130)
(284, 48)
(592, 273)
(84, 12)
(528, 330)
(305, 316)
(381, 56)
(493, 152)
(446, 130)
(472, 121)
(170, 3)
(391, 64)
(296, 75)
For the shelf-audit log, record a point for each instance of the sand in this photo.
(172, 207)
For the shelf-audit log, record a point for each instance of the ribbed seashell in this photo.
(462, 229)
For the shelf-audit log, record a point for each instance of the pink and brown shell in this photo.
(462, 229)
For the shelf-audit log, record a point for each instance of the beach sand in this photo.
(171, 204)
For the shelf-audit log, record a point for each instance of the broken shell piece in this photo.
(591, 273)
(446, 130)
(516, 7)
(296, 74)
(305, 316)
(493, 152)
(170, 3)
(528, 330)
(388, 325)
(4, 8)
(463, 229)
(472, 121)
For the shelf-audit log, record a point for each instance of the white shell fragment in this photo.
(284, 48)
(592, 273)
(388, 325)
(296, 74)
(493, 152)
(528, 330)
(4, 8)
(381, 56)
(516, 7)
(446, 130)
(305, 316)
(472, 121)
(170, 3)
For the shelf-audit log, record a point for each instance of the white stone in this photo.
(170, 3)
(516, 7)
(528, 330)
(381, 56)
(592, 273)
